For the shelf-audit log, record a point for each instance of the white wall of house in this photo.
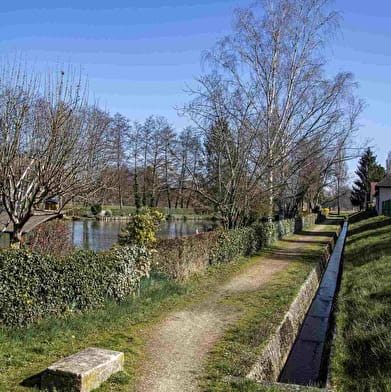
(384, 194)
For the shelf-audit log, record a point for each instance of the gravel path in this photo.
(179, 345)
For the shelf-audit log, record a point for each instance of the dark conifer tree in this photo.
(368, 171)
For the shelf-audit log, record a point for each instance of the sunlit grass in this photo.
(362, 359)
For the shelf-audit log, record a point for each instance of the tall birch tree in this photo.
(267, 83)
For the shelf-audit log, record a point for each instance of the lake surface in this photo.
(100, 235)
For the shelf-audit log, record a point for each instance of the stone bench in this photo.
(82, 372)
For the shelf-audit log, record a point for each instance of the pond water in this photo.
(100, 235)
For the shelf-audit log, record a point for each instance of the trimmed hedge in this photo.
(178, 258)
(33, 286)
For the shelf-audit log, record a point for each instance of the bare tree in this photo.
(45, 150)
(188, 155)
(135, 151)
(268, 86)
(169, 144)
(118, 137)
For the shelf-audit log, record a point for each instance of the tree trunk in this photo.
(270, 211)
(338, 198)
(120, 198)
(17, 240)
(137, 200)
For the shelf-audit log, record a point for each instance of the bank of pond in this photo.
(101, 235)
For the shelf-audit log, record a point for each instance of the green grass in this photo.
(116, 210)
(362, 357)
(264, 310)
(124, 327)
(26, 352)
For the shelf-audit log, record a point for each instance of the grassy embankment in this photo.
(26, 352)
(362, 359)
(80, 211)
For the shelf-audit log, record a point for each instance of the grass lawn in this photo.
(28, 351)
(362, 358)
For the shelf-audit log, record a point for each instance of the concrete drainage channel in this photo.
(297, 354)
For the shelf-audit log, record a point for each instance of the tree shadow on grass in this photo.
(362, 236)
(361, 255)
(370, 226)
(318, 233)
(307, 241)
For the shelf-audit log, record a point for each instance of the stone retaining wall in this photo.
(272, 359)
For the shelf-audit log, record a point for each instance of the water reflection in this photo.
(100, 235)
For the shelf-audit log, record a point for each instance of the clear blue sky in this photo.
(139, 55)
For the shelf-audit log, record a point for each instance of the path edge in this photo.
(273, 357)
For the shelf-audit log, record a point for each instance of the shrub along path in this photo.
(231, 307)
(178, 346)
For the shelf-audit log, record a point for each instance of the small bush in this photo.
(33, 286)
(96, 208)
(141, 230)
(178, 258)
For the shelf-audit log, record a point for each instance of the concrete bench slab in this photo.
(82, 372)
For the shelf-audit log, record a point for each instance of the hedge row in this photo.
(178, 258)
(33, 286)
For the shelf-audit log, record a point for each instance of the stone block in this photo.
(82, 372)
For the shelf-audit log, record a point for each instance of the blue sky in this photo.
(139, 55)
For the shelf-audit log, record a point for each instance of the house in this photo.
(372, 198)
(383, 196)
(51, 204)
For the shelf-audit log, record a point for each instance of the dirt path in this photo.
(179, 345)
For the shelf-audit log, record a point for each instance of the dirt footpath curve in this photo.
(179, 345)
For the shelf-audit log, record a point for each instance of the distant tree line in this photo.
(148, 163)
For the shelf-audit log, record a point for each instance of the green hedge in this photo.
(33, 286)
(178, 258)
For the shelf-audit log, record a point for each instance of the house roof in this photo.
(385, 183)
(52, 201)
(38, 218)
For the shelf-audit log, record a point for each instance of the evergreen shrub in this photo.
(96, 208)
(178, 258)
(33, 285)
